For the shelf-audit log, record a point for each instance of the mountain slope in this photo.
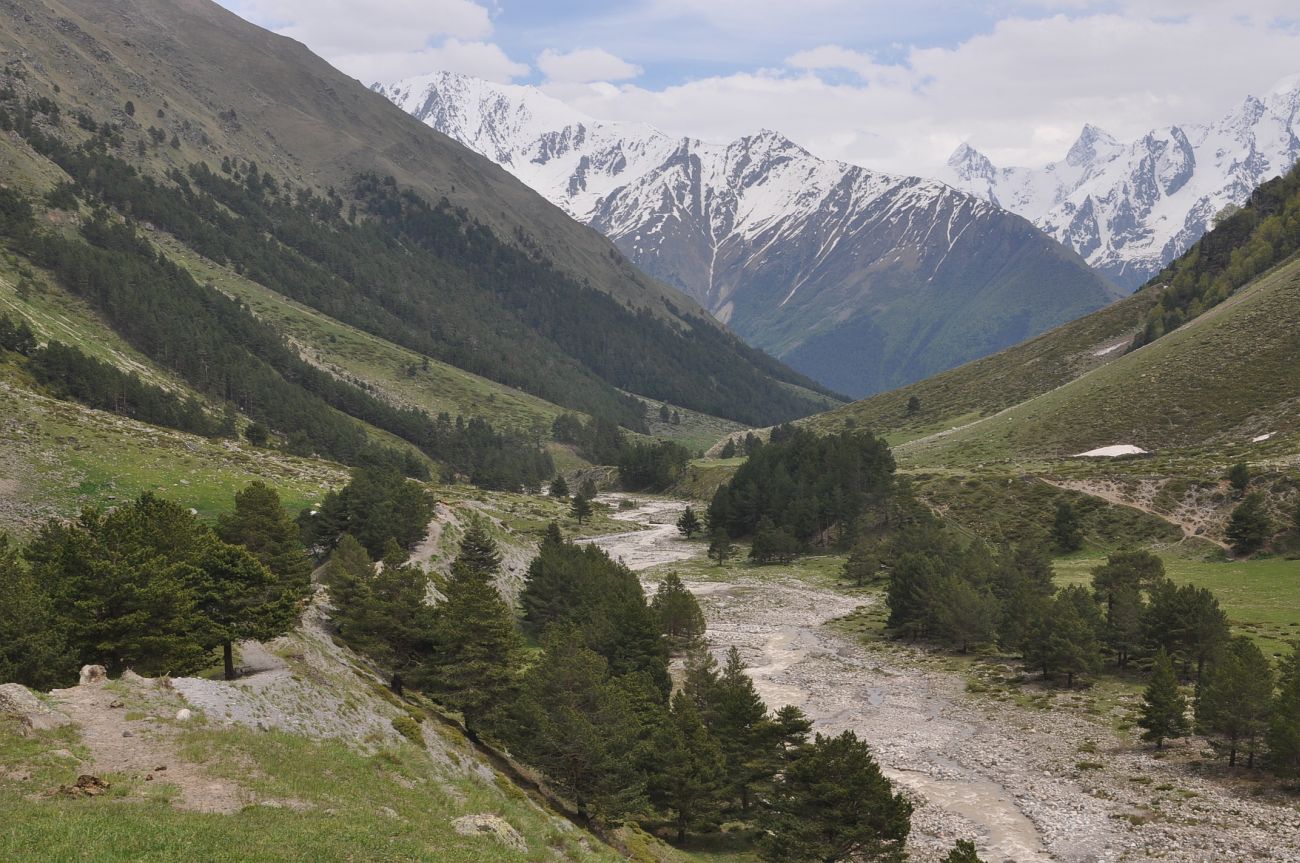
(1130, 208)
(276, 118)
(1228, 268)
(861, 280)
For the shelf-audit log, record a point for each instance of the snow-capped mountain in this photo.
(859, 279)
(1130, 208)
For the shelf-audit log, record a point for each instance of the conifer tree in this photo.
(721, 548)
(580, 509)
(1249, 526)
(963, 852)
(864, 562)
(1284, 729)
(791, 727)
(965, 617)
(678, 613)
(33, 650)
(688, 774)
(1164, 708)
(1239, 477)
(260, 523)
(689, 523)
(1234, 701)
(739, 722)
(579, 728)
(832, 803)
(478, 551)
(239, 599)
(559, 488)
(1066, 531)
(475, 655)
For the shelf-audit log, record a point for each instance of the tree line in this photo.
(595, 710)
(149, 587)
(642, 465)
(801, 489)
(967, 597)
(224, 352)
(68, 373)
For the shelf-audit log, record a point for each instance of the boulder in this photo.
(490, 825)
(93, 674)
(184, 715)
(19, 702)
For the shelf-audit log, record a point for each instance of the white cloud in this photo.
(1020, 92)
(584, 65)
(389, 39)
(480, 59)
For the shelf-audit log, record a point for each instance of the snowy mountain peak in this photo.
(1093, 143)
(1131, 207)
(802, 256)
(970, 163)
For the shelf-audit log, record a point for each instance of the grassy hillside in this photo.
(1226, 377)
(994, 383)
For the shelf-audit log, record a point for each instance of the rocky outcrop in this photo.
(20, 703)
(490, 825)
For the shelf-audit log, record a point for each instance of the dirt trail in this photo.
(1192, 529)
(141, 747)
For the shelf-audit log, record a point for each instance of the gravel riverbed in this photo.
(1028, 784)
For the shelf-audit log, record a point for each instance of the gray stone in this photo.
(19, 702)
(490, 825)
(93, 674)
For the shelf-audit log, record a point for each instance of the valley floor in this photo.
(1031, 774)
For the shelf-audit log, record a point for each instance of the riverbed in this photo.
(1003, 775)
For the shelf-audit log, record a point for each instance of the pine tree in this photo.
(580, 509)
(678, 613)
(478, 551)
(963, 852)
(33, 650)
(965, 617)
(721, 548)
(261, 524)
(559, 488)
(739, 723)
(1066, 531)
(689, 523)
(913, 405)
(864, 563)
(1234, 701)
(1284, 730)
(832, 803)
(1239, 477)
(1249, 526)
(239, 599)
(579, 728)
(1164, 708)
(791, 727)
(475, 654)
(1122, 632)
(124, 586)
(688, 774)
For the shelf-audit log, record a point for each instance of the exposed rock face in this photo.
(19, 702)
(490, 825)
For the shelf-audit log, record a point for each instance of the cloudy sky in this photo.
(890, 84)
